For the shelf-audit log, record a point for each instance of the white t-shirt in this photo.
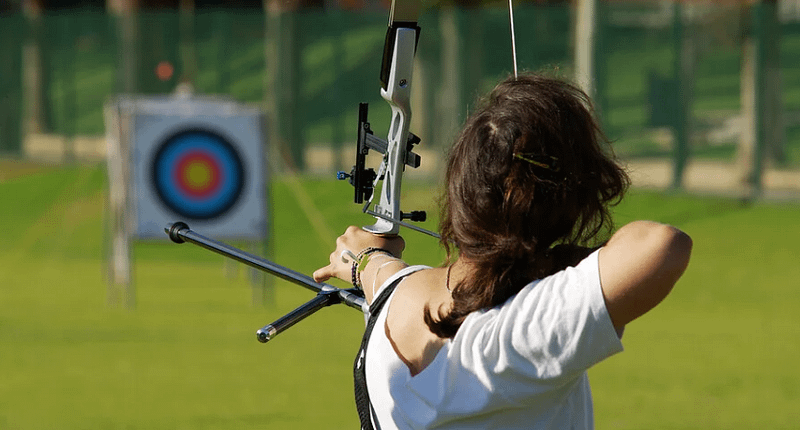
(519, 365)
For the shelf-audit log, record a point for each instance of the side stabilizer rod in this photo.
(179, 232)
(321, 300)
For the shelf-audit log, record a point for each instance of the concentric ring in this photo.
(198, 174)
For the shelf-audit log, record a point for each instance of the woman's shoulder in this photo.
(399, 275)
(581, 274)
(553, 327)
(405, 327)
(559, 300)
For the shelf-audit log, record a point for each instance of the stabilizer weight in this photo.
(176, 228)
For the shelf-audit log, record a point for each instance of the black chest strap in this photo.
(359, 374)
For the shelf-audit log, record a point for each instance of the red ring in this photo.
(186, 186)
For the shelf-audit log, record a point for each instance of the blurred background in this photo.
(699, 94)
(701, 100)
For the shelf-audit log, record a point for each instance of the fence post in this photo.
(760, 99)
(127, 26)
(449, 94)
(222, 27)
(36, 65)
(187, 43)
(284, 70)
(427, 72)
(586, 20)
(11, 84)
(759, 40)
(683, 67)
(66, 54)
(774, 132)
(590, 53)
(471, 30)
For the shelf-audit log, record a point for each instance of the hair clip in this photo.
(526, 157)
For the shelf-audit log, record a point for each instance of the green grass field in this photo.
(720, 353)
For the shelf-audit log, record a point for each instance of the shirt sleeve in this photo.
(552, 331)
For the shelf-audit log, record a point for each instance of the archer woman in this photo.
(531, 294)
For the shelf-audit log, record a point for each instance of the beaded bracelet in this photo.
(360, 263)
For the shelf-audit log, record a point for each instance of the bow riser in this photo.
(397, 92)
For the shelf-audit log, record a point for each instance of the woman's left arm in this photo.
(378, 265)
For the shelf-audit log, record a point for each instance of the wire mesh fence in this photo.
(682, 87)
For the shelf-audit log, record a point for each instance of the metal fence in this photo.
(671, 80)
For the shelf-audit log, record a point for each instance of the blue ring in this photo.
(165, 165)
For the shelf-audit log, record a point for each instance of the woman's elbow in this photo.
(640, 266)
(677, 250)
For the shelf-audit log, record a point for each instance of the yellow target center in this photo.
(198, 175)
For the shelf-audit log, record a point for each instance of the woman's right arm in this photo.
(639, 266)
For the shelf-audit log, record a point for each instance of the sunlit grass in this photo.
(718, 353)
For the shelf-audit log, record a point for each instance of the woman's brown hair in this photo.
(529, 183)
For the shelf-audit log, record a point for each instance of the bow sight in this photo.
(364, 179)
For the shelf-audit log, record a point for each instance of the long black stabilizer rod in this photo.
(327, 295)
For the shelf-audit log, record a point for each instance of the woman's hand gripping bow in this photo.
(359, 258)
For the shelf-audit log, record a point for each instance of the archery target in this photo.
(202, 163)
(198, 174)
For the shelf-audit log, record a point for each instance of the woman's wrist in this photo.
(362, 260)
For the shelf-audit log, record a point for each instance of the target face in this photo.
(198, 174)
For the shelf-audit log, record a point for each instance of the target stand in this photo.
(176, 158)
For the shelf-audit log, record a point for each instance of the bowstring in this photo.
(513, 36)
